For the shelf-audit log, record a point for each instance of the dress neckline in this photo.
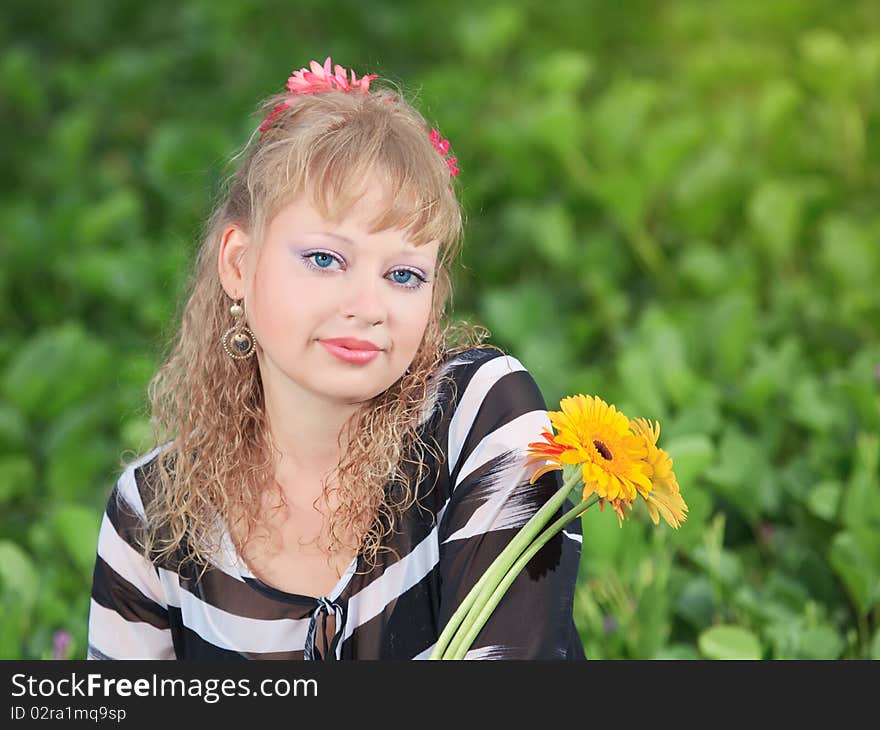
(247, 575)
(234, 562)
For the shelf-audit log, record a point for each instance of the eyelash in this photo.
(308, 256)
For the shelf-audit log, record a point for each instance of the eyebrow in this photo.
(336, 236)
(345, 239)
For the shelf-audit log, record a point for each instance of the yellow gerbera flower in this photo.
(597, 437)
(614, 458)
(665, 498)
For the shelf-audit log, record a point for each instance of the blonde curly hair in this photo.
(208, 409)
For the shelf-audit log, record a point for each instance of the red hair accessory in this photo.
(318, 78)
(442, 146)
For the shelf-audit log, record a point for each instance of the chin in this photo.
(356, 395)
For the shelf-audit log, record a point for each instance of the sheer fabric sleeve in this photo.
(128, 614)
(500, 411)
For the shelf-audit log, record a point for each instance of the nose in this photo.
(365, 297)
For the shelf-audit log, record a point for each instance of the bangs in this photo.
(335, 163)
(412, 206)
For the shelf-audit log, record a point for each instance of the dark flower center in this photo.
(603, 449)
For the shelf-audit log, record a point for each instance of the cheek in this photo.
(278, 297)
(413, 318)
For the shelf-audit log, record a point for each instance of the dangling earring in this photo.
(243, 342)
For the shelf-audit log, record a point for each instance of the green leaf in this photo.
(557, 124)
(874, 652)
(72, 138)
(827, 62)
(824, 498)
(74, 472)
(701, 417)
(848, 251)
(607, 546)
(775, 212)
(13, 428)
(18, 574)
(691, 456)
(704, 268)
(779, 103)
(730, 327)
(811, 407)
(667, 145)
(77, 529)
(705, 190)
(677, 652)
(804, 635)
(769, 375)
(858, 386)
(855, 555)
(177, 156)
(861, 498)
(729, 642)
(549, 359)
(552, 227)
(487, 32)
(757, 603)
(21, 85)
(105, 222)
(56, 368)
(17, 477)
(723, 565)
(669, 354)
(619, 118)
(136, 434)
(625, 194)
(512, 312)
(636, 370)
(700, 506)
(652, 610)
(821, 642)
(602, 540)
(77, 451)
(562, 70)
(737, 475)
(696, 601)
(107, 274)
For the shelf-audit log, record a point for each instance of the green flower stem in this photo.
(470, 628)
(496, 571)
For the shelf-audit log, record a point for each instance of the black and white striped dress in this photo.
(396, 610)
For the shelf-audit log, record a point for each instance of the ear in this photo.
(233, 262)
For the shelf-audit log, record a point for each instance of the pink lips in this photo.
(350, 355)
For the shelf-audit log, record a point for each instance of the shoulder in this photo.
(460, 367)
(135, 485)
(492, 378)
(492, 395)
(498, 410)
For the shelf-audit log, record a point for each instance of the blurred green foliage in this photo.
(672, 205)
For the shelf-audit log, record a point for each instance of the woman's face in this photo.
(313, 281)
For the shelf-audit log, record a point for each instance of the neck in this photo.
(309, 431)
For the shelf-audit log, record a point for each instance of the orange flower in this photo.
(597, 437)
(664, 500)
(614, 458)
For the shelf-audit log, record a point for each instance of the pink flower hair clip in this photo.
(442, 146)
(317, 79)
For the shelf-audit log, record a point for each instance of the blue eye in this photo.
(323, 259)
(409, 274)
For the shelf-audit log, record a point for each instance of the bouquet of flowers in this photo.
(604, 456)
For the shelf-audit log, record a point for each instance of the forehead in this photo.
(349, 216)
(355, 208)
